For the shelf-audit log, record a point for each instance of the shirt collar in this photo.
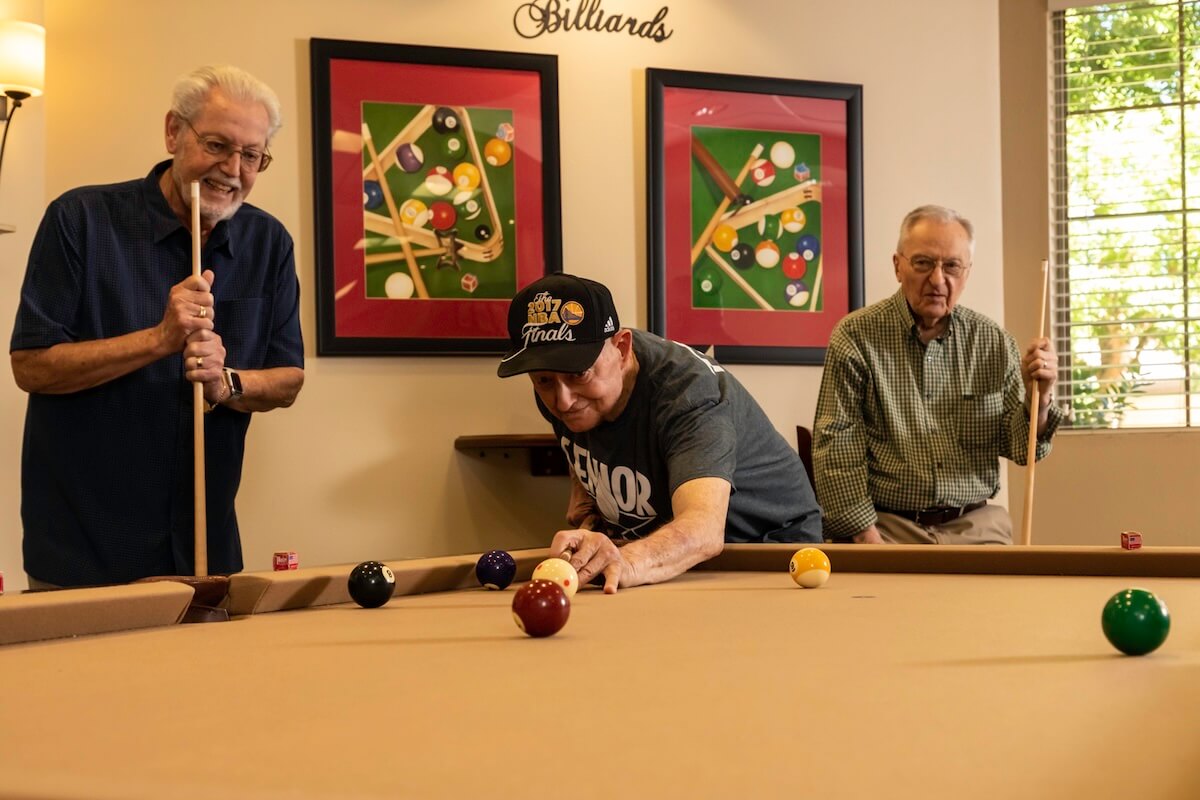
(904, 318)
(163, 219)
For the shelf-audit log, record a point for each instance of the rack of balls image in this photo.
(438, 202)
(756, 219)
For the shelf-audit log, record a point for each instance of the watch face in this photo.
(235, 383)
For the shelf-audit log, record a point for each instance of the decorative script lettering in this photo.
(536, 17)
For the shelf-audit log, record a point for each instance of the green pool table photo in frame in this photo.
(755, 206)
(437, 194)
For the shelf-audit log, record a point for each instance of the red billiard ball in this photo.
(442, 216)
(794, 266)
(540, 608)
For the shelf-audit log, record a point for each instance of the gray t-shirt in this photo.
(689, 418)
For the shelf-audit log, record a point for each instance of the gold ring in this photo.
(203, 312)
(199, 362)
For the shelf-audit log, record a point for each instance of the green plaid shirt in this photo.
(906, 425)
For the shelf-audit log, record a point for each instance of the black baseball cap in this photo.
(558, 323)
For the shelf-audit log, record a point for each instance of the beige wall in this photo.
(22, 189)
(1096, 483)
(363, 465)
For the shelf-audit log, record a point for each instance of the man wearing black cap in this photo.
(669, 454)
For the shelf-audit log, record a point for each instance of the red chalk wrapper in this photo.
(1130, 540)
(285, 560)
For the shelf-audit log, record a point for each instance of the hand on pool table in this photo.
(869, 536)
(593, 554)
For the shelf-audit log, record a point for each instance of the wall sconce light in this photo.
(22, 68)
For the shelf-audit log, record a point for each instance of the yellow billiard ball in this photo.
(724, 238)
(559, 571)
(809, 568)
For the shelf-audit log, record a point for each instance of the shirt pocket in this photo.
(979, 419)
(242, 326)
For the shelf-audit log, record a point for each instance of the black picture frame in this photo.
(346, 76)
(820, 117)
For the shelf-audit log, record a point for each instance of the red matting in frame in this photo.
(353, 82)
(685, 107)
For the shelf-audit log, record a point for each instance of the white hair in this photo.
(939, 213)
(191, 93)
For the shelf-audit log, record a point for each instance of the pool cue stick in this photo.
(706, 236)
(200, 515)
(1031, 446)
(375, 223)
(401, 231)
(497, 240)
(812, 301)
(715, 171)
(785, 198)
(386, 258)
(738, 279)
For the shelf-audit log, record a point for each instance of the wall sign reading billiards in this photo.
(755, 206)
(436, 196)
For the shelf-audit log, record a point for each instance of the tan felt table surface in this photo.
(719, 684)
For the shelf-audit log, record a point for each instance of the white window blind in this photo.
(1125, 201)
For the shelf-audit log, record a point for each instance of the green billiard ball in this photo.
(1135, 621)
(454, 147)
(708, 280)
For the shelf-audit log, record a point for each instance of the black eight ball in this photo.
(445, 120)
(371, 584)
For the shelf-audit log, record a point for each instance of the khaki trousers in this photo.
(39, 586)
(988, 525)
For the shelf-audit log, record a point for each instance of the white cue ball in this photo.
(783, 155)
(398, 286)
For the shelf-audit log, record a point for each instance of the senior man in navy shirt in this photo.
(112, 331)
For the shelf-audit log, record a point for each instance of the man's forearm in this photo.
(266, 389)
(74, 366)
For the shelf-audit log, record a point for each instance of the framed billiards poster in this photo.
(755, 213)
(436, 194)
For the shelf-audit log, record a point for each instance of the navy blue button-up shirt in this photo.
(106, 482)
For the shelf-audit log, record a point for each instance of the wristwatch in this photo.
(234, 383)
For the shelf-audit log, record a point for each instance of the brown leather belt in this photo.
(938, 515)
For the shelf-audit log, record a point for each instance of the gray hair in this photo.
(939, 213)
(191, 93)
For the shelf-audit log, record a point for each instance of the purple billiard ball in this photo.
(797, 293)
(495, 569)
(409, 157)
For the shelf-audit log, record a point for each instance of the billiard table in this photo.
(914, 672)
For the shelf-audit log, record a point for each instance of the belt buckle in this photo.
(939, 516)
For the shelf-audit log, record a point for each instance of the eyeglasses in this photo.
(923, 265)
(221, 150)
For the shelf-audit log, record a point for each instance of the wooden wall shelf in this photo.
(545, 456)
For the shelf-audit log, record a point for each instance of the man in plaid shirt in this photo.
(920, 398)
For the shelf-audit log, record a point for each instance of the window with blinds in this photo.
(1125, 201)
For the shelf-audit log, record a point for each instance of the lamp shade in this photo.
(22, 57)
